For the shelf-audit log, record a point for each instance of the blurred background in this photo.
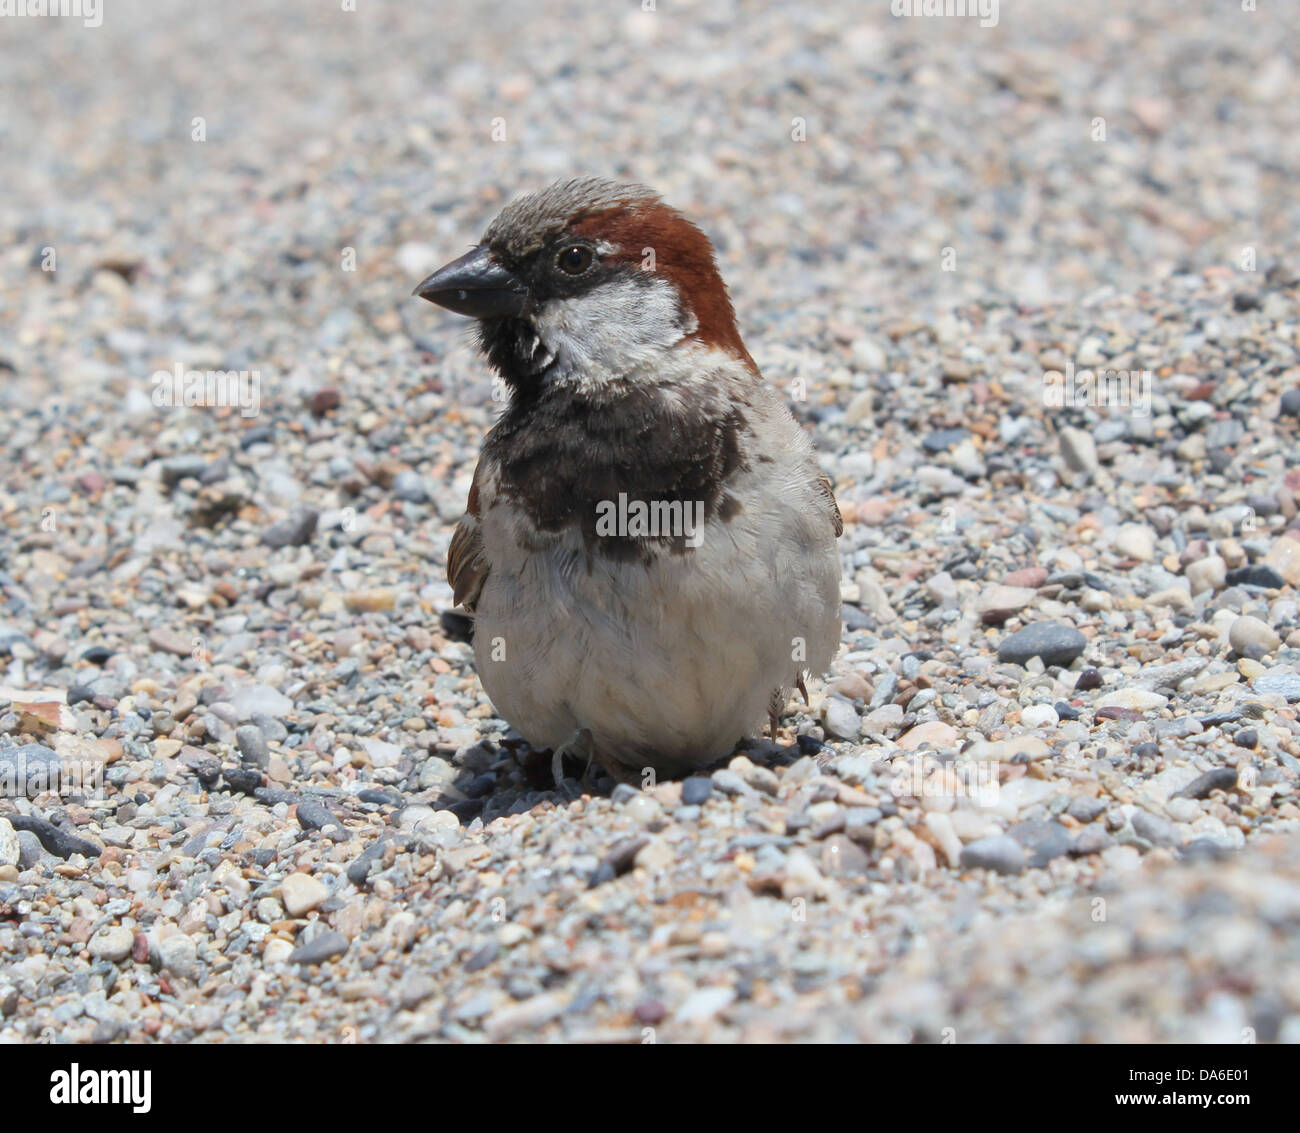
(1072, 147)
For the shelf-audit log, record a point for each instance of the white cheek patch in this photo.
(613, 329)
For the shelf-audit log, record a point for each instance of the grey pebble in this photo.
(324, 946)
(252, 745)
(1216, 779)
(1042, 841)
(730, 783)
(1000, 853)
(313, 816)
(29, 769)
(696, 790)
(1154, 829)
(1054, 642)
(1278, 682)
(1091, 840)
(840, 719)
(294, 531)
(1084, 808)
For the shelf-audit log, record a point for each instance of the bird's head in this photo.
(589, 281)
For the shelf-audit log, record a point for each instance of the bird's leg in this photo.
(775, 703)
(580, 747)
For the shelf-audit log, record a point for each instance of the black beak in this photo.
(475, 285)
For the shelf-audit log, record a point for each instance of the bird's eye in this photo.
(574, 260)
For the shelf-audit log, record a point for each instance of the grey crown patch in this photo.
(525, 224)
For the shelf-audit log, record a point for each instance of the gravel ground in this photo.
(1049, 790)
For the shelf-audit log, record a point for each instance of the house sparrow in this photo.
(649, 547)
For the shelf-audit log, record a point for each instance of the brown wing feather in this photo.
(467, 569)
(824, 484)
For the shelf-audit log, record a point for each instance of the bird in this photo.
(648, 551)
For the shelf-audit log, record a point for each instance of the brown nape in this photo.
(683, 256)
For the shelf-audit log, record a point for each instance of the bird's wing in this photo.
(825, 489)
(467, 567)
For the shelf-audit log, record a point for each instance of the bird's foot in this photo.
(579, 746)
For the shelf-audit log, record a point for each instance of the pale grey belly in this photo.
(667, 665)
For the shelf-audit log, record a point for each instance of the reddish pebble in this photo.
(1031, 577)
(91, 482)
(323, 400)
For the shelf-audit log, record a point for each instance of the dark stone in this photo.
(359, 869)
(1217, 718)
(1066, 711)
(59, 842)
(623, 793)
(1055, 643)
(481, 785)
(272, 795)
(379, 798)
(696, 790)
(313, 816)
(809, 745)
(618, 859)
(323, 400)
(323, 947)
(178, 468)
(1291, 403)
(255, 436)
(1247, 738)
(206, 767)
(1117, 713)
(295, 531)
(1147, 751)
(1042, 841)
(244, 779)
(1257, 574)
(1088, 680)
(97, 654)
(1245, 301)
(466, 810)
(1216, 779)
